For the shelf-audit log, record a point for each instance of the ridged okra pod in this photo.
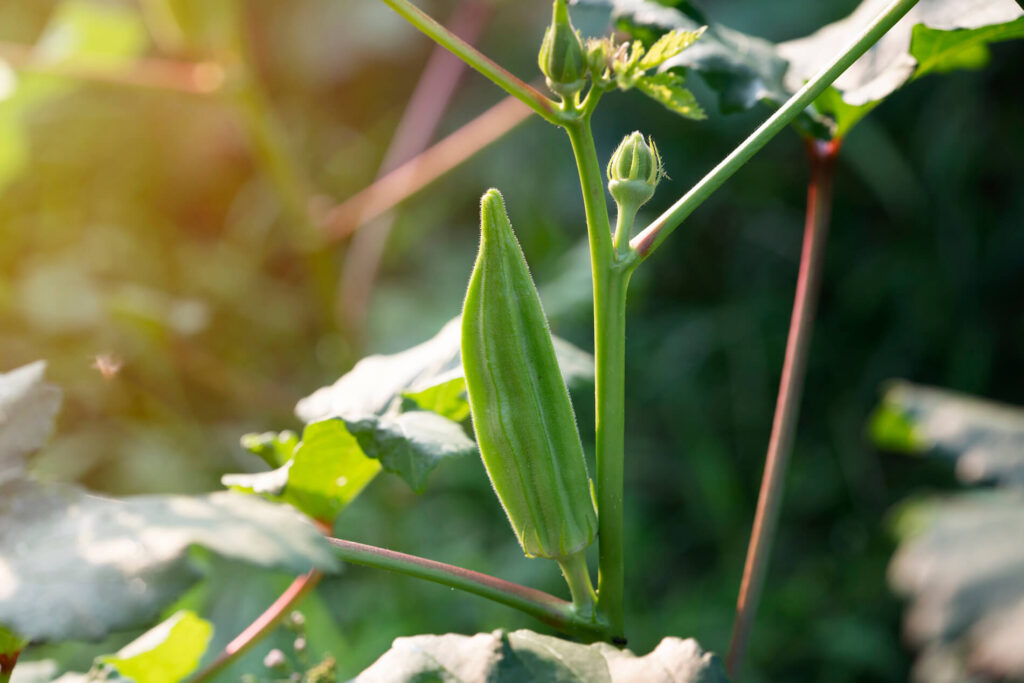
(524, 421)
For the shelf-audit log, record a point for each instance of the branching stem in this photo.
(787, 409)
(655, 233)
(509, 82)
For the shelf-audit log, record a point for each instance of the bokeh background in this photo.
(172, 231)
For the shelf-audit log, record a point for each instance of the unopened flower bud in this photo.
(562, 56)
(634, 171)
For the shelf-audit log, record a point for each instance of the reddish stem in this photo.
(266, 622)
(7, 663)
(195, 78)
(822, 156)
(397, 185)
(263, 625)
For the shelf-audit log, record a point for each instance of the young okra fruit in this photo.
(524, 421)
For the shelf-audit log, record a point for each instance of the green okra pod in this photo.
(524, 421)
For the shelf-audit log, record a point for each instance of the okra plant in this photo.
(498, 366)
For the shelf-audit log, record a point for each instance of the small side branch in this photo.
(506, 80)
(263, 625)
(551, 610)
(412, 176)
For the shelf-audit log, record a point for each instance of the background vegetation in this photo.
(147, 225)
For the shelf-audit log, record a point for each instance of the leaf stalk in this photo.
(504, 79)
(553, 611)
(654, 234)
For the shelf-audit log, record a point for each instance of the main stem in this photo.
(610, 279)
(610, 382)
(787, 409)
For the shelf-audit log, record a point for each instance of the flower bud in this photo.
(562, 57)
(634, 171)
(599, 52)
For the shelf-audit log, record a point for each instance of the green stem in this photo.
(610, 381)
(513, 85)
(592, 184)
(610, 278)
(549, 609)
(274, 153)
(652, 236)
(574, 569)
(623, 226)
(787, 408)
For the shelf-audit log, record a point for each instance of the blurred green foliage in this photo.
(143, 224)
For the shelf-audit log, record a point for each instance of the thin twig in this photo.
(263, 625)
(546, 607)
(787, 409)
(194, 78)
(414, 175)
(423, 113)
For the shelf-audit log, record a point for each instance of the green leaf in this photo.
(984, 439)
(446, 398)
(938, 51)
(743, 69)
(964, 575)
(411, 444)
(28, 411)
(167, 653)
(935, 36)
(522, 656)
(667, 88)
(373, 385)
(275, 448)
(337, 458)
(77, 566)
(327, 471)
(960, 560)
(668, 46)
